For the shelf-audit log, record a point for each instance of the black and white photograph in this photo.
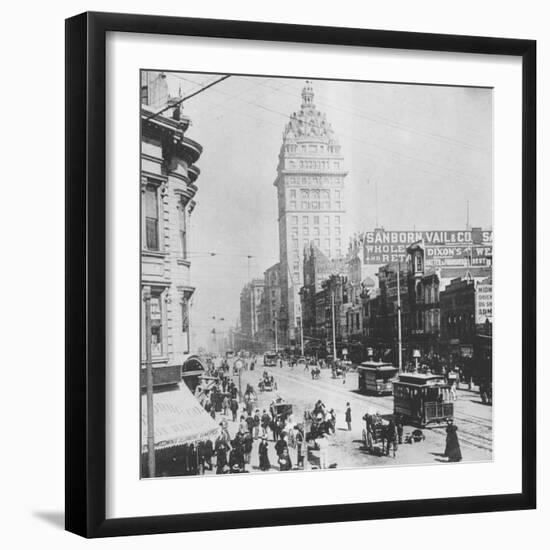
(301, 242)
(316, 274)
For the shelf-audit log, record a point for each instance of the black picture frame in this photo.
(86, 273)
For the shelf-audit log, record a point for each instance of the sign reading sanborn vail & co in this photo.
(442, 248)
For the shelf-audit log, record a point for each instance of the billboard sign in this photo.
(446, 247)
(458, 255)
(484, 303)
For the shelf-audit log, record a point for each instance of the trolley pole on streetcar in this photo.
(149, 373)
(399, 343)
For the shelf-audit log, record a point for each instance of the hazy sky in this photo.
(414, 155)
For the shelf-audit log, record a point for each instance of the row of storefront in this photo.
(445, 313)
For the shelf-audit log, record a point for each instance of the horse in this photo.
(389, 438)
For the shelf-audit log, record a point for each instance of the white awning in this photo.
(178, 419)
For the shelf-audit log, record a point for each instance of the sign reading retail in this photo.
(484, 303)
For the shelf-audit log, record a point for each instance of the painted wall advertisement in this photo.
(442, 248)
(484, 303)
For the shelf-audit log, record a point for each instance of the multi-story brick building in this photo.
(168, 185)
(310, 193)
(318, 268)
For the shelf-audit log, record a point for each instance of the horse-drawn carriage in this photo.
(267, 383)
(379, 434)
(280, 409)
(318, 421)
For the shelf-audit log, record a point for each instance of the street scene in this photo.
(316, 274)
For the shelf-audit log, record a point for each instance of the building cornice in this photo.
(161, 178)
(187, 290)
(288, 211)
(188, 193)
(153, 253)
(151, 158)
(160, 120)
(312, 172)
(194, 172)
(181, 177)
(155, 283)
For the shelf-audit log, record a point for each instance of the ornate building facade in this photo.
(310, 191)
(168, 185)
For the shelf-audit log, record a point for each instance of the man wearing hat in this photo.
(348, 416)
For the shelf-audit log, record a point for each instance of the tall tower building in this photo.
(310, 191)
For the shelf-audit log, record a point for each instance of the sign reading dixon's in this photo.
(442, 248)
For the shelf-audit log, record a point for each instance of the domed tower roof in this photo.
(309, 123)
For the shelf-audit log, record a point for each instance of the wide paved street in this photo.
(472, 418)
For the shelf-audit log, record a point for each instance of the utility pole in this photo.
(149, 372)
(276, 334)
(333, 327)
(399, 344)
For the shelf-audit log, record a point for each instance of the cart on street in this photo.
(374, 433)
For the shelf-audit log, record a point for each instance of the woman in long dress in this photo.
(452, 447)
(264, 457)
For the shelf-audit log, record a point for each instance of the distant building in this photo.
(463, 317)
(251, 313)
(271, 306)
(458, 316)
(168, 186)
(387, 281)
(310, 193)
(318, 268)
(359, 283)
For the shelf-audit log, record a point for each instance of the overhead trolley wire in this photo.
(180, 101)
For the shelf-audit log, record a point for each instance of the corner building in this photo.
(168, 187)
(310, 193)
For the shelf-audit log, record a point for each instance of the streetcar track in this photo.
(487, 426)
(466, 437)
(466, 440)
